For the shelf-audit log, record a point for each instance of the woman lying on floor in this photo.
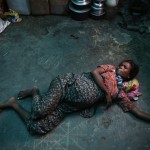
(79, 92)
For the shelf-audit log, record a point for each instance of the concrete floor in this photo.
(39, 48)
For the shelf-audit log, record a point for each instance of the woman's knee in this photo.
(35, 91)
(37, 128)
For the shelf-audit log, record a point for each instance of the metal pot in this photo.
(78, 14)
(81, 2)
(98, 4)
(97, 11)
(98, 8)
(80, 6)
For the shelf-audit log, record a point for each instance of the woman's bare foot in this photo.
(27, 93)
(11, 103)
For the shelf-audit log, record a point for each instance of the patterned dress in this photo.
(66, 94)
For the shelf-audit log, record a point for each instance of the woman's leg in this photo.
(38, 126)
(47, 123)
(12, 103)
(45, 105)
(28, 93)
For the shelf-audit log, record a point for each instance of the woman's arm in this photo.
(128, 106)
(142, 115)
(98, 79)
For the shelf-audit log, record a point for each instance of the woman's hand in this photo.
(99, 80)
(140, 114)
(109, 100)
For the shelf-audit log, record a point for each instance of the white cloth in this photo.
(3, 25)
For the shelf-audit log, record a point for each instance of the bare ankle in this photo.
(35, 91)
(11, 102)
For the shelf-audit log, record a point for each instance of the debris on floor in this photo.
(136, 17)
(12, 16)
(7, 18)
(3, 25)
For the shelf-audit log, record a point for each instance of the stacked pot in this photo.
(98, 8)
(79, 9)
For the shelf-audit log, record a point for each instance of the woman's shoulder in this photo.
(108, 67)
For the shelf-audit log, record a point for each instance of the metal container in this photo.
(98, 4)
(81, 6)
(97, 11)
(78, 14)
(81, 2)
(98, 8)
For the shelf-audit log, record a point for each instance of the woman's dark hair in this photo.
(134, 69)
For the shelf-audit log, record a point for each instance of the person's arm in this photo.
(128, 106)
(140, 114)
(98, 79)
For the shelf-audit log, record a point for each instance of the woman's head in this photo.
(128, 69)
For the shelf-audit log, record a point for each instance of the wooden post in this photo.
(40, 7)
(59, 7)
